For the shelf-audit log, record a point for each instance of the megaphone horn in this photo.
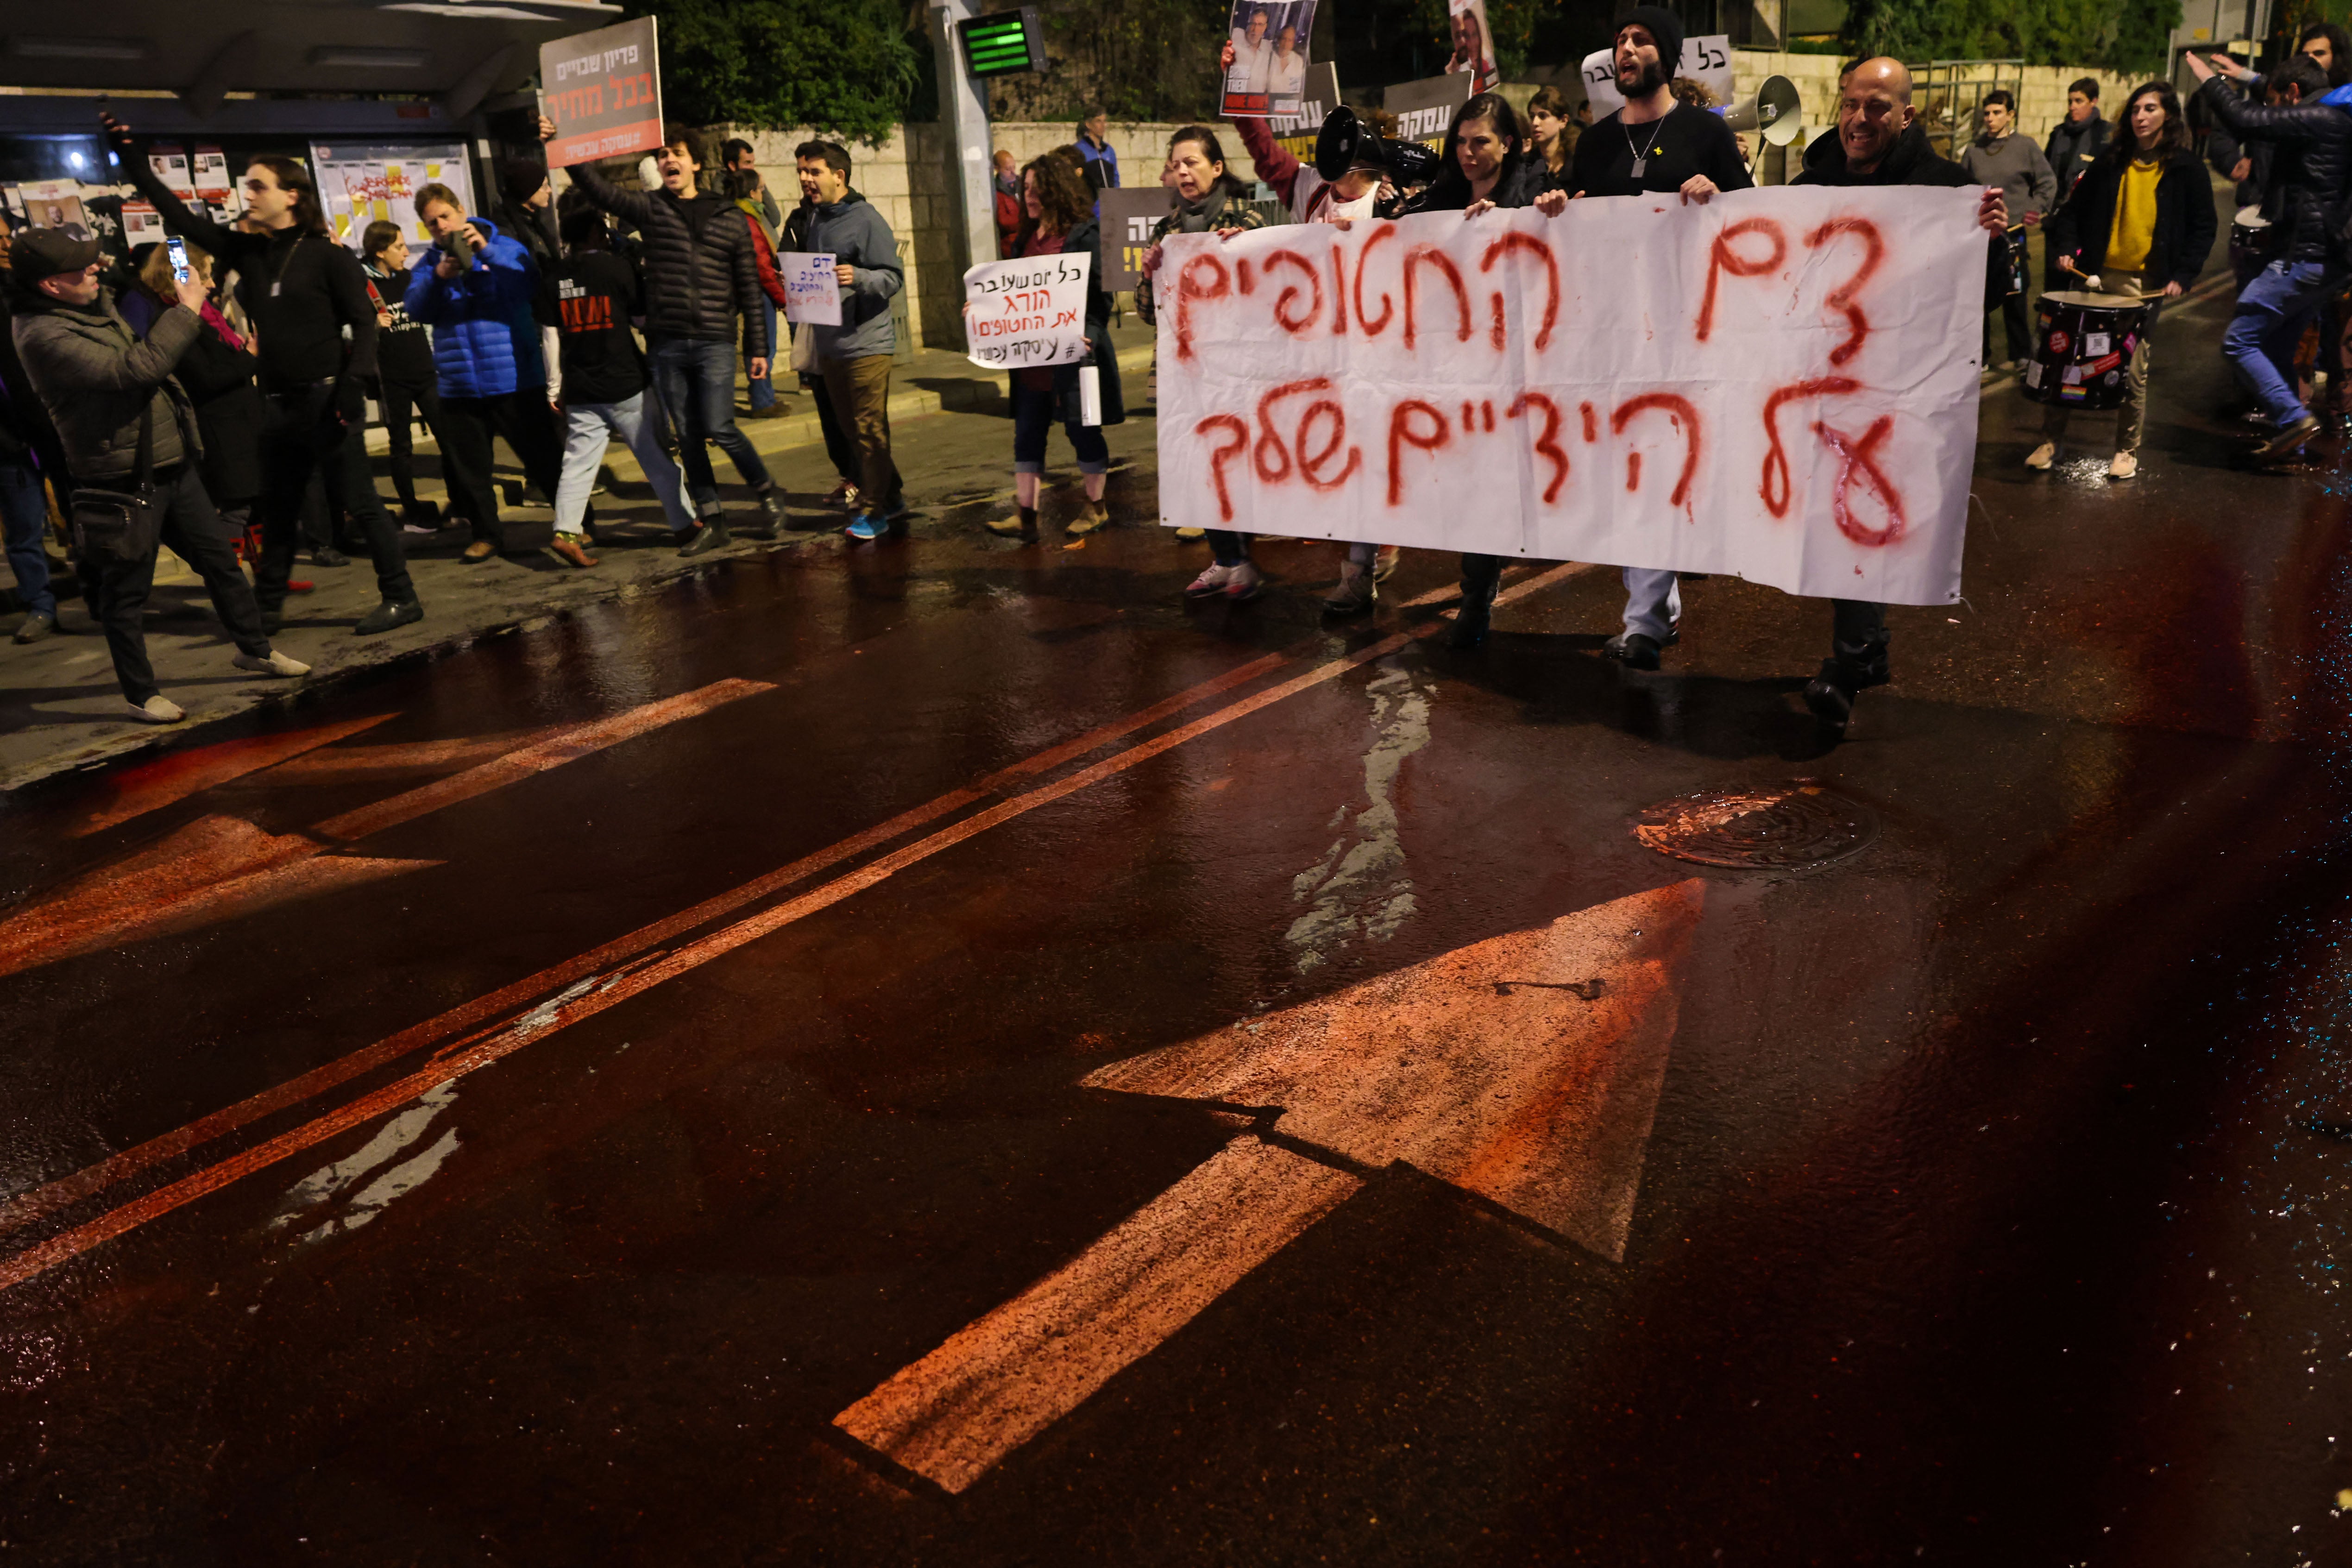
(1771, 109)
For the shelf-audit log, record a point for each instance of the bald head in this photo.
(1874, 112)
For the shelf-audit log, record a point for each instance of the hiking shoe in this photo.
(1355, 593)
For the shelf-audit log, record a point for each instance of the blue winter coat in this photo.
(485, 337)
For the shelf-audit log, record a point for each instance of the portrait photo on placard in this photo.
(1268, 73)
(1472, 42)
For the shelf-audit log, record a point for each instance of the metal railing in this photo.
(1947, 93)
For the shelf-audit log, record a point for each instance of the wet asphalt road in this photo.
(1991, 1210)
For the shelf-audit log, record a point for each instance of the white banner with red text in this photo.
(1780, 384)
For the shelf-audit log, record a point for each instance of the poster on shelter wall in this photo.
(361, 183)
(57, 204)
(1267, 73)
(603, 91)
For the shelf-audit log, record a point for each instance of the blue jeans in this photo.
(696, 382)
(1032, 420)
(24, 515)
(2273, 311)
(763, 389)
(588, 428)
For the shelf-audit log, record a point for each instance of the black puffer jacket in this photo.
(2310, 171)
(700, 272)
(2185, 219)
(1910, 161)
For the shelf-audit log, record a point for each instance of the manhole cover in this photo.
(1786, 826)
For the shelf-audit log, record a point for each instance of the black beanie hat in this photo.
(1665, 27)
(519, 178)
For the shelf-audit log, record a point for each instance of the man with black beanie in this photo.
(1654, 146)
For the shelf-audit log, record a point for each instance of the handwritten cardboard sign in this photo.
(1780, 385)
(1706, 60)
(1028, 311)
(602, 90)
(812, 286)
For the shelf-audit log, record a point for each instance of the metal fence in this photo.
(1947, 93)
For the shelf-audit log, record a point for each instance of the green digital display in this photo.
(1003, 44)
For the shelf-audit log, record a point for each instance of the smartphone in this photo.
(178, 249)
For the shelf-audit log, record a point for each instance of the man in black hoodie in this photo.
(1879, 142)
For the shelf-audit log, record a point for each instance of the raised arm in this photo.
(1276, 166)
(227, 244)
(636, 206)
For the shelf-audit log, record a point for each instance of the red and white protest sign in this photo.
(602, 90)
(1780, 385)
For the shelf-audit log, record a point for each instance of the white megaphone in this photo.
(1771, 109)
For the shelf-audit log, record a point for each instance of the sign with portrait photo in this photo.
(1472, 43)
(1268, 74)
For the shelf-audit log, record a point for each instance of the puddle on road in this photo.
(1359, 885)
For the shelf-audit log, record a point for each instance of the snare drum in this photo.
(2252, 233)
(2082, 345)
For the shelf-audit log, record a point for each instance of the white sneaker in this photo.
(2125, 467)
(2041, 456)
(1242, 582)
(1212, 581)
(157, 709)
(271, 663)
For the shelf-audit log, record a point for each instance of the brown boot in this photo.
(567, 549)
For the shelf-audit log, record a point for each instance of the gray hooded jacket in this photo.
(857, 236)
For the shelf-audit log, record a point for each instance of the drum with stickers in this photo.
(2082, 345)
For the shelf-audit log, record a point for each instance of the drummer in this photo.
(2140, 224)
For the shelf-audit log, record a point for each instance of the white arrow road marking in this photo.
(1524, 1069)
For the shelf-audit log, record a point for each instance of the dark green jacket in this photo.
(94, 377)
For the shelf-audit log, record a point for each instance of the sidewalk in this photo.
(61, 707)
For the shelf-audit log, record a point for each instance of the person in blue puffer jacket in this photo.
(475, 290)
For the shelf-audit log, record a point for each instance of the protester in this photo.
(526, 209)
(741, 182)
(1358, 194)
(2141, 222)
(1652, 146)
(839, 450)
(28, 454)
(1553, 129)
(1208, 200)
(854, 357)
(126, 426)
(590, 298)
(306, 301)
(2310, 175)
(1998, 156)
(1101, 157)
(1061, 222)
(475, 289)
(217, 373)
(1881, 142)
(700, 277)
(1005, 182)
(2077, 140)
(405, 380)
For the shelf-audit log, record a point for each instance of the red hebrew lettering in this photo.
(1187, 291)
(1776, 459)
(1225, 450)
(1592, 427)
(1723, 258)
(1430, 255)
(1469, 416)
(1311, 462)
(1841, 297)
(1401, 435)
(1676, 408)
(1529, 244)
(1487, 415)
(1363, 259)
(1338, 292)
(1548, 443)
(1274, 472)
(1290, 295)
(1858, 455)
(1249, 281)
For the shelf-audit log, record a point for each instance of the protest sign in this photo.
(1319, 97)
(1472, 44)
(1424, 109)
(602, 90)
(1130, 214)
(1778, 384)
(812, 286)
(1268, 74)
(1031, 310)
(1707, 61)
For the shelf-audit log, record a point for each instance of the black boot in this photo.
(771, 514)
(1845, 675)
(1480, 576)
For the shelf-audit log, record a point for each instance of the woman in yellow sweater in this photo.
(2141, 221)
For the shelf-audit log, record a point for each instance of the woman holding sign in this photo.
(1058, 219)
(1208, 201)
